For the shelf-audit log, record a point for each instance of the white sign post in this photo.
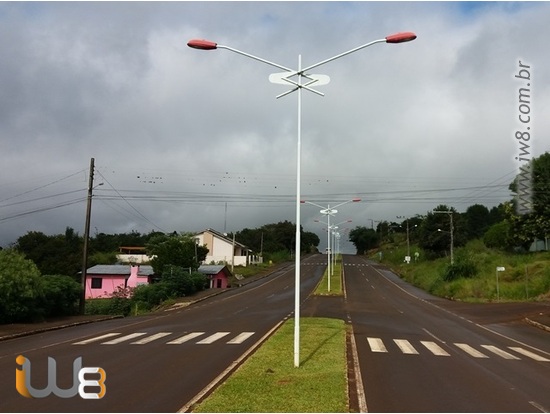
(499, 269)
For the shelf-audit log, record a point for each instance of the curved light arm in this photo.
(395, 38)
(208, 45)
(203, 44)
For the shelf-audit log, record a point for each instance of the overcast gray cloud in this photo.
(186, 139)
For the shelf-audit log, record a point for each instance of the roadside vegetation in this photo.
(473, 276)
(268, 381)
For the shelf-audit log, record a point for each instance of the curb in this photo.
(537, 324)
(54, 328)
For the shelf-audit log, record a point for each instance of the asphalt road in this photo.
(418, 353)
(155, 363)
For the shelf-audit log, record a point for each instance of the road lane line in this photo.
(434, 348)
(185, 338)
(124, 338)
(239, 339)
(97, 338)
(213, 338)
(151, 338)
(538, 406)
(471, 351)
(376, 345)
(499, 352)
(405, 346)
(529, 354)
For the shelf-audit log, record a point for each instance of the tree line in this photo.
(500, 227)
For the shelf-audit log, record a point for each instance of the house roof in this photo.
(213, 269)
(118, 270)
(223, 237)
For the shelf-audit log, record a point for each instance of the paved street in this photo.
(418, 354)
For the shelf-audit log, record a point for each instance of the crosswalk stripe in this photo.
(471, 351)
(213, 338)
(529, 354)
(434, 348)
(405, 346)
(97, 338)
(239, 339)
(124, 338)
(376, 345)
(151, 338)
(499, 352)
(185, 338)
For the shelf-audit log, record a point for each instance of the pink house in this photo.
(218, 275)
(103, 280)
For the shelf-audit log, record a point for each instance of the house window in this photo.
(96, 282)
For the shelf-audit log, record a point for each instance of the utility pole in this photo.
(86, 237)
(450, 213)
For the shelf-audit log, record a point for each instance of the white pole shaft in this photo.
(298, 238)
(328, 248)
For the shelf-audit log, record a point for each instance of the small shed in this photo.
(218, 275)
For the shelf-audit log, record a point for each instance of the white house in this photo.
(222, 249)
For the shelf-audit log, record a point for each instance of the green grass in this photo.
(269, 382)
(527, 275)
(335, 281)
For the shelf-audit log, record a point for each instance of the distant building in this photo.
(132, 255)
(222, 249)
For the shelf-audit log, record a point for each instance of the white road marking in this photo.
(499, 352)
(529, 354)
(376, 345)
(185, 338)
(213, 338)
(124, 338)
(434, 348)
(151, 338)
(471, 351)
(239, 339)
(405, 346)
(97, 338)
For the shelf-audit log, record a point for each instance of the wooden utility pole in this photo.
(86, 237)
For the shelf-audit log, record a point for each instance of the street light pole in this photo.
(330, 211)
(285, 78)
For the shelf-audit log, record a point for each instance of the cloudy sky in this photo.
(185, 139)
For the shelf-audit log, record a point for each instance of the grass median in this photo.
(335, 280)
(269, 382)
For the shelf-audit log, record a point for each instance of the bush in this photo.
(463, 267)
(61, 295)
(21, 293)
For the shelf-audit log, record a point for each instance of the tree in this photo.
(535, 224)
(175, 250)
(498, 236)
(60, 254)
(363, 239)
(20, 288)
(438, 242)
(477, 221)
(276, 237)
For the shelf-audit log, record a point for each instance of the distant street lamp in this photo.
(330, 211)
(304, 81)
(408, 240)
